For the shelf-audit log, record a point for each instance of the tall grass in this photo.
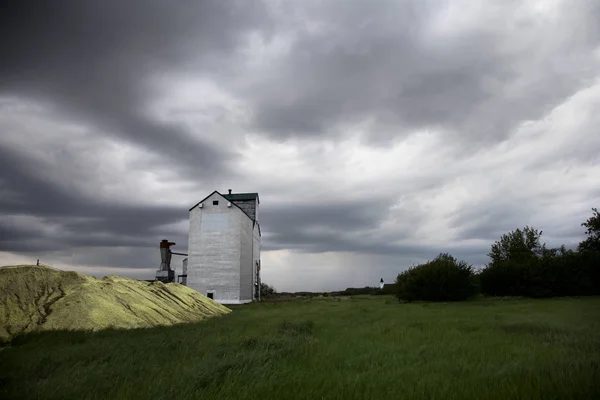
(361, 348)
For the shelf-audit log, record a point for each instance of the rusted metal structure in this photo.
(165, 274)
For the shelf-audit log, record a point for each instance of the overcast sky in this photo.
(377, 133)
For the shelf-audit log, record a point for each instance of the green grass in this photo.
(362, 348)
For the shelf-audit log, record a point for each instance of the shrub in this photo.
(503, 279)
(442, 279)
(267, 291)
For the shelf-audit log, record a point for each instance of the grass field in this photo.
(360, 348)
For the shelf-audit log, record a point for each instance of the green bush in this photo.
(502, 279)
(267, 291)
(442, 279)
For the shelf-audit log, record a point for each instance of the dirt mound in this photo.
(41, 298)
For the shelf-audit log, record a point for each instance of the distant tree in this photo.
(266, 290)
(389, 288)
(592, 225)
(356, 291)
(518, 246)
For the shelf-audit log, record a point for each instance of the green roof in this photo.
(241, 196)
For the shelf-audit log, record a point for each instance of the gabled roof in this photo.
(196, 205)
(232, 202)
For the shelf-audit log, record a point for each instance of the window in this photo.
(210, 295)
(215, 202)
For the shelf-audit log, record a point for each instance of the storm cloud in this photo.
(377, 134)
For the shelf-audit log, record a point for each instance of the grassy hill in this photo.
(358, 348)
(36, 298)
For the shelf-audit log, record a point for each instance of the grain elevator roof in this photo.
(233, 198)
(241, 196)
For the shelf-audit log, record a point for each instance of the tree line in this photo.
(520, 265)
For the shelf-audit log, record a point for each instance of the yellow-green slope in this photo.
(42, 298)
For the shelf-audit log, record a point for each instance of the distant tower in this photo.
(381, 284)
(224, 248)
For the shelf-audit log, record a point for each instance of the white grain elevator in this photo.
(224, 247)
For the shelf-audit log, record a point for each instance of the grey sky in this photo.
(378, 134)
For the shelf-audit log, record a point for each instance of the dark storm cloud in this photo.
(489, 221)
(337, 214)
(92, 59)
(300, 227)
(12, 237)
(410, 253)
(83, 220)
(379, 62)
(98, 65)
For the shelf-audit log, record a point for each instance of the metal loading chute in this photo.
(165, 274)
